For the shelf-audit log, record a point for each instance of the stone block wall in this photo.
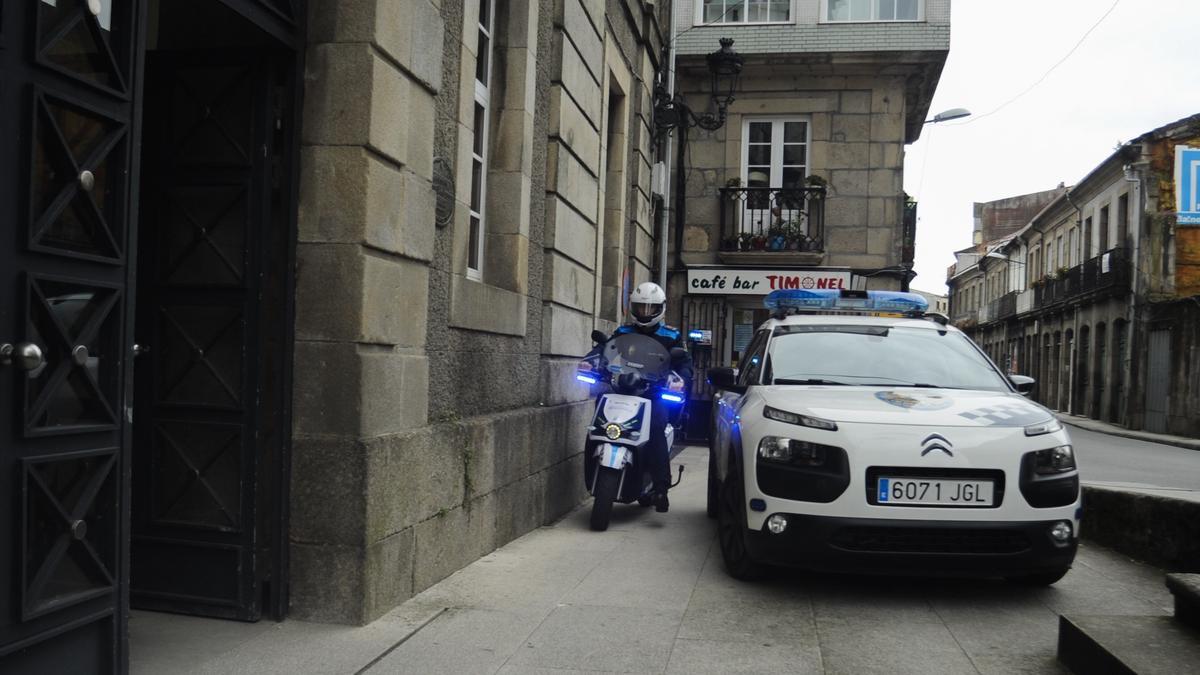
(857, 135)
(436, 413)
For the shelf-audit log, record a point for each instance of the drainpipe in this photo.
(1071, 365)
(664, 220)
(1132, 329)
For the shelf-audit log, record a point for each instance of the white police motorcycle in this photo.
(635, 368)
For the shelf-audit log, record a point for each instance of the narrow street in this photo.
(1127, 461)
(650, 596)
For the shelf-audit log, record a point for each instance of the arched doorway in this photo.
(1082, 372)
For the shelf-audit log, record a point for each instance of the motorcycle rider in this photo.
(647, 307)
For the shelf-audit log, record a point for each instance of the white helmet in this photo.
(647, 304)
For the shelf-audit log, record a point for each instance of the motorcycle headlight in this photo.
(796, 418)
(791, 451)
(1054, 460)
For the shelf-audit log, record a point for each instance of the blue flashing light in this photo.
(832, 299)
(695, 335)
(673, 398)
(759, 505)
(583, 377)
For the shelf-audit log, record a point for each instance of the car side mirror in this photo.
(725, 378)
(598, 337)
(1023, 383)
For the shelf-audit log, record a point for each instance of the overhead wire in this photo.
(1051, 69)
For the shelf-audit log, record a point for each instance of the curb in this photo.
(1111, 430)
(1163, 531)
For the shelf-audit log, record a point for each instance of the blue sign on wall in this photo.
(1187, 184)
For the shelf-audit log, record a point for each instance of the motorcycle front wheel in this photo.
(604, 496)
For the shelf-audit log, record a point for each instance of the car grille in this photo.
(931, 540)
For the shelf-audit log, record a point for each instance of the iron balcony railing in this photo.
(1003, 306)
(1105, 273)
(773, 219)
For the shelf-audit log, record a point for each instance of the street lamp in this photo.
(725, 69)
(1000, 256)
(672, 112)
(947, 115)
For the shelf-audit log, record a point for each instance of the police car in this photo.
(864, 435)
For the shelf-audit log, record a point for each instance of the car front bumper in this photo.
(919, 547)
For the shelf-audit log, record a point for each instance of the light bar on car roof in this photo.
(826, 300)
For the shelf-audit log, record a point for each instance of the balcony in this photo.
(761, 224)
(1104, 275)
(1003, 307)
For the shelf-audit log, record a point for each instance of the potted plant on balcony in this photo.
(729, 243)
(745, 241)
(814, 181)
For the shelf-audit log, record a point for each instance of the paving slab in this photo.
(651, 596)
(595, 637)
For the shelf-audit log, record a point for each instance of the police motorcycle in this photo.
(635, 369)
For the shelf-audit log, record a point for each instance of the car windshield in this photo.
(878, 356)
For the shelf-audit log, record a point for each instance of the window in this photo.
(873, 10)
(479, 152)
(751, 364)
(774, 165)
(1122, 220)
(776, 153)
(745, 11)
(1088, 232)
(1103, 230)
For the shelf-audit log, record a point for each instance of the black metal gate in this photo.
(703, 313)
(71, 111)
(206, 206)
(67, 92)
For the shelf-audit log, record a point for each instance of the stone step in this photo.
(1186, 589)
(1146, 645)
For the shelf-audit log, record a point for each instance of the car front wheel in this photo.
(731, 530)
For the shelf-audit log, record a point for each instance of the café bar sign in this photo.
(733, 281)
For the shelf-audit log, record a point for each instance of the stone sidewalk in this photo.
(1114, 430)
(650, 596)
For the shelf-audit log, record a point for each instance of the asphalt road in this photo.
(1123, 460)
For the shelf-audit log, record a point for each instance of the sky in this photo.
(1138, 70)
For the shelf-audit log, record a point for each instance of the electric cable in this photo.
(1046, 74)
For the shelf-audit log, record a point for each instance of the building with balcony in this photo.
(1096, 296)
(802, 186)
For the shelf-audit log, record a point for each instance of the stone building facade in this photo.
(458, 243)
(356, 248)
(1095, 296)
(802, 186)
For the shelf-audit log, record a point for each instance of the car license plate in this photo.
(935, 491)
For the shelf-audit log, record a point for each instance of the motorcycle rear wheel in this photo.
(604, 496)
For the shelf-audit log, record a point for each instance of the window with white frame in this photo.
(744, 11)
(774, 165)
(484, 62)
(872, 10)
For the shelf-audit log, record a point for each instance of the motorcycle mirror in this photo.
(678, 354)
(598, 337)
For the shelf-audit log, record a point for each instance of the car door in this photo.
(729, 403)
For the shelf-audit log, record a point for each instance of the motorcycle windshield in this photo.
(634, 352)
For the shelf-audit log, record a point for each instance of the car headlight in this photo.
(791, 451)
(1048, 427)
(1054, 460)
(796, 418)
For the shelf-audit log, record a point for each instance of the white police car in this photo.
(862, 435)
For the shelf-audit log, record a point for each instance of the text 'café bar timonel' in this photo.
(761, 282)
